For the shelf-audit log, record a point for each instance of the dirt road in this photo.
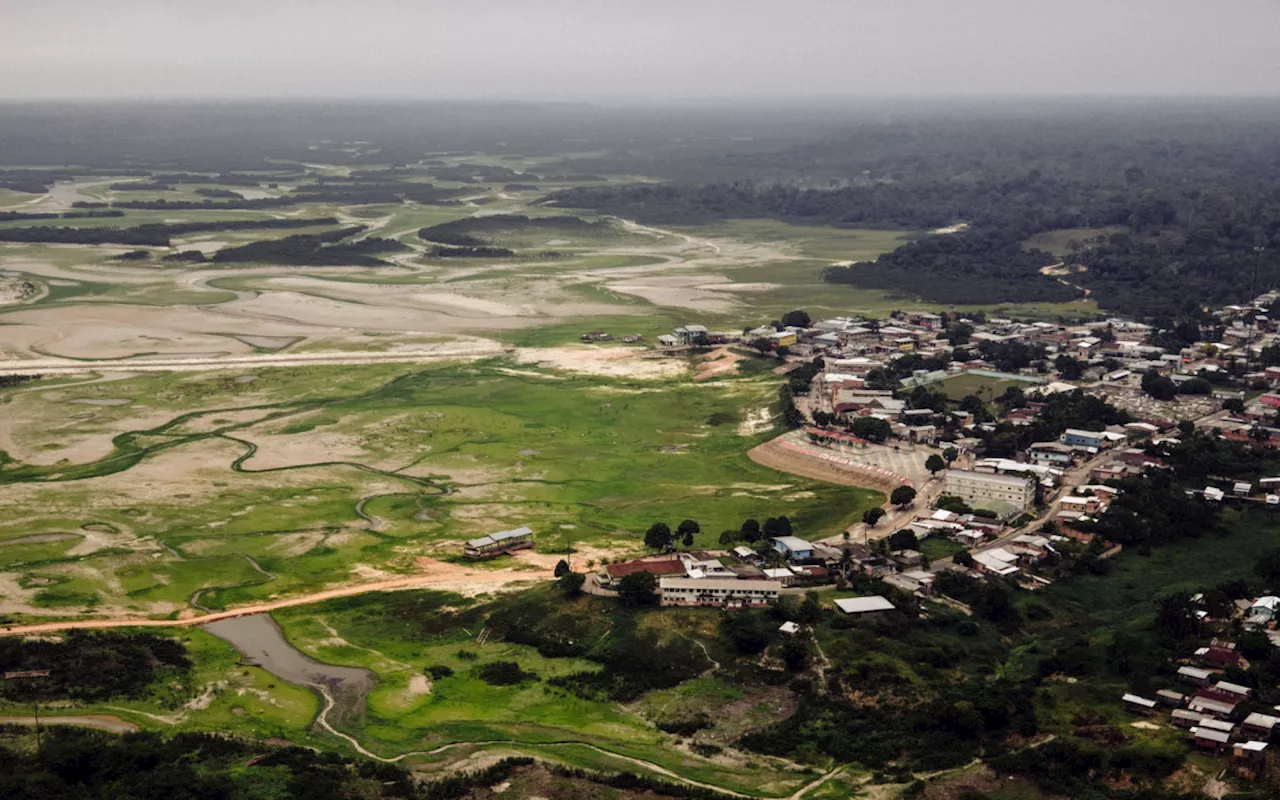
(102, 722)
(438, 575)
(474, 348)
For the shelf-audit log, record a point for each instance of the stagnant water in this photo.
(260, 640)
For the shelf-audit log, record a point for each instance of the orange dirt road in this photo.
(439, 575)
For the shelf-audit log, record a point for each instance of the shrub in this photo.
(438, 672)
(504, 673)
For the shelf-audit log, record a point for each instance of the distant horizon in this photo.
(637, 51)
(651, 100)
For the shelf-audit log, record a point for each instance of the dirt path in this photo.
(473, 348)
(437, 575)
(102, 722)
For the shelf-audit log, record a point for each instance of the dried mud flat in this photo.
(617, 362)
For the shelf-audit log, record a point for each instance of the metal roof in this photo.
(863, 605)
(500, 536)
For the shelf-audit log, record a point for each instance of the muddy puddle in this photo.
(262, 644)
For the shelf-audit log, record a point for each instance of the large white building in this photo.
(722, 592)
(985, 490)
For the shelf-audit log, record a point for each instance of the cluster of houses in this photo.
(1210, 709)
(742, 578)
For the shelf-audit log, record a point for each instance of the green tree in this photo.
(728, 538)
(935, 464)
(872, 515)
(959, 334)
(1158, 386)
(903, 496)
(795, 653)
(950, 454)
(810, 611)
(796, 319)
(687, 530)
(1233, 404)
(562, 567)
(904, 539)
(870, 428)
(751, 530)
(637, 589)
(658, 537)
(1267, 567)
(1069, 368)
(964, 559)
(571, 583)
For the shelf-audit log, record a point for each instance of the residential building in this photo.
(1259, 726)
(1054, 454)
(983, 490)
(1185, 719)
(996, 561)
(691, 334)
(720, 592)
(1210, 739)
(1195, 675)
(658, 566)
(793, 547)
(1212, 706)
(1078, 438)
(1138, 705)
(1171, 698)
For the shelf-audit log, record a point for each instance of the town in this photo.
(1001, 445)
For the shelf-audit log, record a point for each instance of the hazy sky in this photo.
(637, 49)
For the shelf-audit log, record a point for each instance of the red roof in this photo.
(1221, 656)
(669, 566)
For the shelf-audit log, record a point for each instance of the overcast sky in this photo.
(637, 49)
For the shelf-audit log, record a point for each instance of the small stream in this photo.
(260, 640)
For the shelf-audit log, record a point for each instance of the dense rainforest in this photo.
(1163, 217)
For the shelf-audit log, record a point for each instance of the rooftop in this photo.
(863, 605)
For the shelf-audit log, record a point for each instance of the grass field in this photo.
(406, 713)
(1122, 604)
(985, 387)
(201, 489)
(221, 694)
(813, 241)
(1057, 242)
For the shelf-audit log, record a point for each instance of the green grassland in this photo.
(250, 490)
(986, 388)
(220, 694)
(813, 241)
(400, 637)
(1057, 242)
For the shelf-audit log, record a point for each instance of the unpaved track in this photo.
(439, 575)
(102, 722)
(477, 348)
